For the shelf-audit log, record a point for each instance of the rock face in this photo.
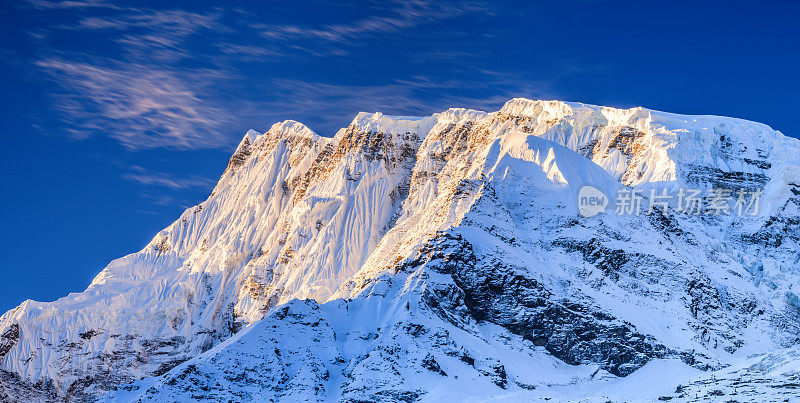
(443, 256)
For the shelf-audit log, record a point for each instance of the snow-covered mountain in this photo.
(444, 257)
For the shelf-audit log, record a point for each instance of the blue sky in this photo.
(116, 116)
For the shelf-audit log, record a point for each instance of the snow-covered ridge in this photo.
(299, 216)
(378, 122)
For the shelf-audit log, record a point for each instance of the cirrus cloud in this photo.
(137, 105)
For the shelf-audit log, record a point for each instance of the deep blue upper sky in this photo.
(116, 116)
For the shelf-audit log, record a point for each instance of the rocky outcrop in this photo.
(492, 291)
(467, 222)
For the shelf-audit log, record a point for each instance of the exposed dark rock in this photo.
(87, 335)
(15, 389)
(8, 339)
(717, 178)
(240, 156)
(430, 364)
(610, 261)
(493, 292)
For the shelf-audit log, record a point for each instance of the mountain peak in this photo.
(395, 125)
(458, 231)
(530, 107)
(291, 129)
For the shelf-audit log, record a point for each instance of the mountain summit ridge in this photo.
(462, 225)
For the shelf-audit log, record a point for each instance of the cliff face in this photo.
(438, 254)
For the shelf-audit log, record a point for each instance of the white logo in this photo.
(591, 201)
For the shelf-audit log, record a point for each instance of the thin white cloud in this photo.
(166, 200)
(152, 34)
(151, 94)
(58, 4)
(248, 51)
(137, 93)
(177, 22)
(140, 106)
(404, 16)
(168, 181)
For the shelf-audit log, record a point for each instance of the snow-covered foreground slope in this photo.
(444, 257)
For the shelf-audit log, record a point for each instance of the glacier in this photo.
(443, 258)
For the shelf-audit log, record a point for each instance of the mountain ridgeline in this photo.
(422, 258)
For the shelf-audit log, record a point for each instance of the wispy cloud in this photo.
(165, 180)
(168, 190)
(165, 200)
(138, 105)
(398, 17)
(67, 4)
(194, 78)
(248, 51)
(174, 21)
(136, 90)
(176, 78)
(150, 34)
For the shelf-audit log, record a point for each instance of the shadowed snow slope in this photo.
(423, 258)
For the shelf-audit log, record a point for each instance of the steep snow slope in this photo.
(464, 223)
